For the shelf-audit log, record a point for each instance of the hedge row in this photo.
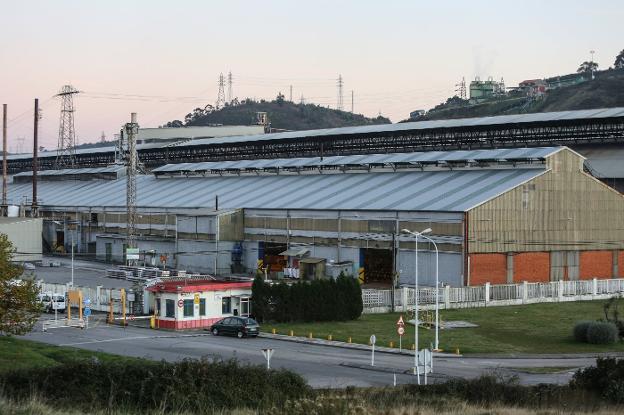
(318, 300)
(195, 386)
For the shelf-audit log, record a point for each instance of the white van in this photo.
(52, 302)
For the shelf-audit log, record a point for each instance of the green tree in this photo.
(619, 60)
(259, 298)
(19, 308)
(587, 67)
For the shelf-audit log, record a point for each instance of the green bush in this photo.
(317, 300)
(580, 330)
(605, 379)
(600, 332)
(188, 386)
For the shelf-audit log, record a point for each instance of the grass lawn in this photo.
(18, 353)
(534, 328)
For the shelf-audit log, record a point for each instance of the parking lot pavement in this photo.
(86, 273)
(322, 366)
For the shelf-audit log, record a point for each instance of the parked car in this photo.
(236, 326)
(52, 302)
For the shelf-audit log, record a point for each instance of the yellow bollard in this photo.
(273, 331)
(152, 322)
(291, 333)
(413, 347)
(457, 350)
(391, 345)
(349, 340)
(329, 337)
(309, 335)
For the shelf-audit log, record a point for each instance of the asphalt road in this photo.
(322, 366)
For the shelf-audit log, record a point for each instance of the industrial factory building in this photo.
(497, 215)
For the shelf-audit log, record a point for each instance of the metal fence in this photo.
(379, 301)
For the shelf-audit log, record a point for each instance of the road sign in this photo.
(180, 303)
(373, 339)
(401, 330)
(87, 312)
(196, 299)
(132, 253)
(400, 323)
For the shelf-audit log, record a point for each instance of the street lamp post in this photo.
(437, 298)
(416, 235)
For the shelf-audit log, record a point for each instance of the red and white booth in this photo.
(194, 304)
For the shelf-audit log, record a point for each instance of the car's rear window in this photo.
(251, 322)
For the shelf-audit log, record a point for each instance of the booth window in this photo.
(157, 311)
(170, 305)
(188, 308)
(202, 306)
(226, 305)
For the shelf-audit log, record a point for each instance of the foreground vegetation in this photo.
(534, 328)
(60, 380)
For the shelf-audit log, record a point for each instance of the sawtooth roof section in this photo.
(449, 191)
(69, 172)
(542, 117)
(537, 153)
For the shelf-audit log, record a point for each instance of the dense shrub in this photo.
(605, 379)
(318, 300)
(190, 385)
(580, 331)
(600, 332)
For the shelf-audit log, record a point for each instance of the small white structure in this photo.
(195, 304)
(25, 235)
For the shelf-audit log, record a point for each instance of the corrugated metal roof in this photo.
(68, 172)
(423, 125)
(452, 191)
(605, 162)
(370, 159)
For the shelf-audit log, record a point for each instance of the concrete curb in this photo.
(345, 345)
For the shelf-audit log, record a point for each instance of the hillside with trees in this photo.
(605, 90)
(282, 114)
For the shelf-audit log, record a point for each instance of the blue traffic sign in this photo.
(87, 301)
(87, 312)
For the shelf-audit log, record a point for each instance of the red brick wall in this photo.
(621, 264)
(490, 268)
(531, 267)
(596, 264)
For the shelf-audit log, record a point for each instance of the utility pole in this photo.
(230, 91)
(4, 159)
(35, 160)
(339, 104)
(352, 102)
(221, 94)
(65, 154)
(131, 131)
(290, 96)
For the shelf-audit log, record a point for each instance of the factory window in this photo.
(189, 308)
(94, 218)
(226, 305)
(202, 306)
(170, 308)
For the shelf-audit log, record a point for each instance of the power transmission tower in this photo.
(460, 88)
(103, 137)
(130, 132)
(230, 91)
(65, 153)
(221, 95)
(339, 104)
(302, 101)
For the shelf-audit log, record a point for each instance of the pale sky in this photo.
(161, 59)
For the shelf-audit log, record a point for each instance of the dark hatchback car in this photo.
(236, 326)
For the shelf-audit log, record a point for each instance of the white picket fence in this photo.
(380, 301)
(100, 297)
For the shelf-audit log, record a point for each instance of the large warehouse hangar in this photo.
(503, 215)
